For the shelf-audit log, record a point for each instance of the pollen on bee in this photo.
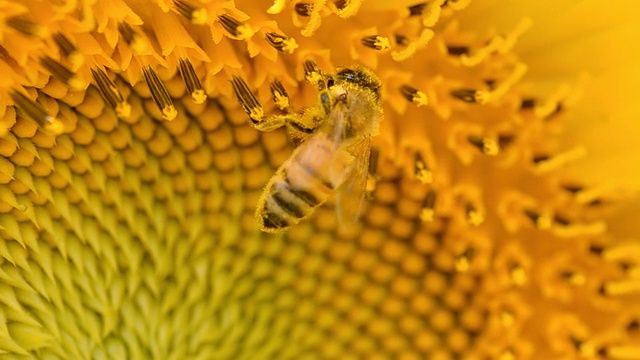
(281, 43)
(279, 95)
(235, 28)
(247, 99)
(34, 111)
(110, 93)
(376, 42)
(191, 81)
(196, 15)
(61, 73)
(471, 95)
(414, 95)
(159, 93)
(421, 170)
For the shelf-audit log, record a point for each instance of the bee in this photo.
(333, 158)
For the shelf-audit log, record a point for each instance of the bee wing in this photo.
(350, 195)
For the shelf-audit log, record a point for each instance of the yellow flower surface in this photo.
(501, 219)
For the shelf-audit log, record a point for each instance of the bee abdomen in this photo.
(284, 206)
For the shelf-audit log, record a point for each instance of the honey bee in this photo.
(333, 158)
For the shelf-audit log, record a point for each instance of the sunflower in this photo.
(500, 220)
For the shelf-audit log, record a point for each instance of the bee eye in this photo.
(330, 82)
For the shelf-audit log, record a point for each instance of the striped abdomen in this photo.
(304, 182)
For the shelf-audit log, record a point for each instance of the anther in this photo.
(34, 111)
(517, 274)
(196, 15)
(347, 8)
(457, 50)
(474, 216)
(304, 9)
(470, 96)
(487, 145)
(421, 170)
(235, 28)
(26, 27)
(69, 50)
(539, 220)
(281, 43)
(191, 81)
(427, 213)
(61, 73)
(110, 93)
(417, 9)
(159, 93)
(401, 40)
(376, 42)
(312, 72)
(527, 103)
(462, 262)
(131, 37)
(573, 278)
(372, 177)
(414, 95)
(247, 99)
(279, 95)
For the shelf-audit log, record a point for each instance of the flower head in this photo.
(130, 174)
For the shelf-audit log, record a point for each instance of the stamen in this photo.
(131, 37)
(414, 95)
(416, 10)
(462, 262)
(277, 7)
(279, 95)
(541, 221)
(196, 15)
(518, 274)
(621, 287)
(68, 49)
(421, 170)
(237, 29)
(527, 103)
(281, 42)
(457, 50)
(622, 352)
(487, 145)
(413, 46)
(247, 99)
(376, 42)
(34, 111)
(505, 140)
(110, 93)
(474, 216)
(471, 96)
(347, 8)
(61, 73)
(26, 27)
(304, 9)
(372, 177)
(427, 213)
(159, 93)
(547, 163)
(574, 278)
(430, 11)
(401, 40)
(312, 72)
(191, 81)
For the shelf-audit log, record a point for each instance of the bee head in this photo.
(358, 76)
